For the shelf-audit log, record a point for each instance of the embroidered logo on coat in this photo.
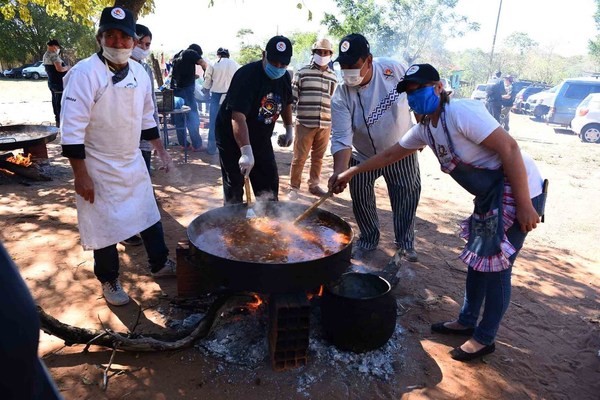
(388, 73)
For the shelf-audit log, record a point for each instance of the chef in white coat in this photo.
(107, 107)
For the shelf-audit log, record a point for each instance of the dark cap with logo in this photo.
(418, 73)
(351, 48)
(117, 18)
(279, 49)
(53, 42)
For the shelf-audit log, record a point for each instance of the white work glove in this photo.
(287, 139)
(246, 161)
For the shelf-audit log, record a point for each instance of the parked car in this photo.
(586, 123)
(537, 104)
(568, 96)
(520, 105)
(36, 71)
(16, 72)
(479, 92)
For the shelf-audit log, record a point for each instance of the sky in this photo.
(563, 26)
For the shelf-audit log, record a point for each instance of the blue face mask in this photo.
(273, 72)
(423, 101)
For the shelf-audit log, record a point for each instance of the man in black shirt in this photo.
(56, 69)
(507, 101)
(183, 82)
(494, 92)
(258, 94)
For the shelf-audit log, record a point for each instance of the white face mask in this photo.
(117, 56)
(321, 61)
(139, 54)
(352, 77)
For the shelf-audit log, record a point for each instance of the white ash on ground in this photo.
(240, 338)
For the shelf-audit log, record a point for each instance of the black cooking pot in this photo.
(20, 136)
(358, 312)
(236, 275)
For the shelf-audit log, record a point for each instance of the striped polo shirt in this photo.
(312, 90)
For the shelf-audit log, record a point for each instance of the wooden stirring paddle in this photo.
(316, 204)
(249, 211)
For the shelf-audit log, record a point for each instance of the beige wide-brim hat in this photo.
(323, 44)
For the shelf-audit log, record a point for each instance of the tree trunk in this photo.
(132, 5)
(136, 342)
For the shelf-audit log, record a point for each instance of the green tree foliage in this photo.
(401, 28)
(520, 41)
(302, 42)
(84, 11)
(26, 41)
(249, 52)
(594, 45)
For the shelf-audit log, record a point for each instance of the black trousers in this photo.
(106, 260)
(263, 176)
(56, 99)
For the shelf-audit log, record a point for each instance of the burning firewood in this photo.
(23, 166)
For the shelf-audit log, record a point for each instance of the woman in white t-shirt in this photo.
(509, 197)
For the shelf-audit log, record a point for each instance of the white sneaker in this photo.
(170, 269)
(292, 195)
(114, 294)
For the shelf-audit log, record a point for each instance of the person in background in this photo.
(183, 81)
(55, 69)
(217, 80)
(107, 107)
(507, 101)
(258, 94)
(139, 54)
(27, 378)
(312, 88)
(494, 92)
(368, 116)
(509, 197)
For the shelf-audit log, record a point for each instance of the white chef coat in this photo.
(108, 119)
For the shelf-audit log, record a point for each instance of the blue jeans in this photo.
(492, 290)
(106, 260)
(193, 118)
(215, 98)
(179, 122)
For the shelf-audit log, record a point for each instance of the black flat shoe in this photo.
(441, 328)
(460, 355)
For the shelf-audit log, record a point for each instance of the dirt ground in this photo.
(548, 346)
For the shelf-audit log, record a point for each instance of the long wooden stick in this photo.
(248, 191)
(313, 206)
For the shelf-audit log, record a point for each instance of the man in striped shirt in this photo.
(312, 88)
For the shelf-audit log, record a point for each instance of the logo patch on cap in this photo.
(344, 46)
(118, 13)
(280, 46)
(412, 70)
